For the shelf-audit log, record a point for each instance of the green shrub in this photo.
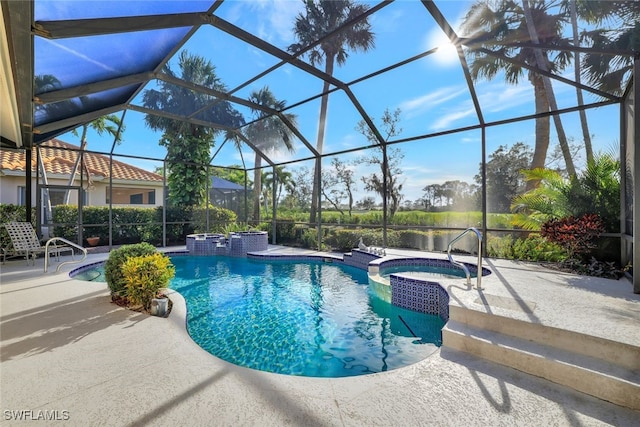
(117, 257)
(10, 213)
(532, 248)
(219, 218)
(144, 276)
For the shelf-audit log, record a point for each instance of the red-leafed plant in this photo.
(576, 235)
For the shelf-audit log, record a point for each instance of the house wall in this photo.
(97, 195)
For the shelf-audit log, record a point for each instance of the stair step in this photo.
(622, 354)
(589, 375)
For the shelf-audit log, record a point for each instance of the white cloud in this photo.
(444, 122)
(416, 106)
(276, 18)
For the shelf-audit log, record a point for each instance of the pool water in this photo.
(298, 318)
(309, 319)
(430, 270)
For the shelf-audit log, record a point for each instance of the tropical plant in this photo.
(550, 199)
(188, 143)
(319, 19)
(576, 235)
(610, 72)
(144, 276)
(496, 29)
(113, 267)
(268, 133)
(594, 190)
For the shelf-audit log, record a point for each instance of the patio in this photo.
(67, 352)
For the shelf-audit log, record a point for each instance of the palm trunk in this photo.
(576, 67)
(257, 187)
(322, 122)
(542, 64)
(83, 145)
(543, 128)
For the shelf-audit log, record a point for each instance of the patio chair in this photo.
(25, 242)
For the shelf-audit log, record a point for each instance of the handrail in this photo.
(73, 261)
(461, 265)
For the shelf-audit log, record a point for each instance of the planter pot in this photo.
(92, 241)
(159, 307)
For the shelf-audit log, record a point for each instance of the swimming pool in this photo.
(298, 318)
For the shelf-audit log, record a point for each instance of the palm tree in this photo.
(319, 19)
(284, 181)
(609, 72)
(573, 13)
(506, 24)
(269, 134)
(110, 124)
(189, 144)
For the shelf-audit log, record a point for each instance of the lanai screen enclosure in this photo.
(437, 93)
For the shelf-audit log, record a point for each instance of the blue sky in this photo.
(431, 93)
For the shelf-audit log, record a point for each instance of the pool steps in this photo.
(596, 366)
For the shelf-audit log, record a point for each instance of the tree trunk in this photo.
(83, 145)
(543, 128)
(576, 67)
(257, 187)
(322, 122)
(542, 64)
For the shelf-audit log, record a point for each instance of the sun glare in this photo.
(447, 54)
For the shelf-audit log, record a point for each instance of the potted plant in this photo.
(145, 276)
(92, 241)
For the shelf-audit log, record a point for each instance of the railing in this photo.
(58, 249)
(461, 265)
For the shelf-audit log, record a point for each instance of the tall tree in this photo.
(283, 181)
(268, 133)
(609, 72)
(338, 184)
(111, 125)
(188, 144)
(575, 38)
(320, 18)
(504, 177)
(387, 184)
(504, 24)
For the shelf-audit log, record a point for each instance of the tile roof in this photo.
(59, 160)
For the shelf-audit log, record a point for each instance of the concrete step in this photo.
(618, 353)
(591, 375)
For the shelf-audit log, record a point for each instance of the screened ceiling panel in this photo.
(426, 104)
(52, 112)
(94, 58)
(82, 60)
(289, 80)
(386, 51)
(235, 61)
(53, 10)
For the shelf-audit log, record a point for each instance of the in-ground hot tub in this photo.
(238, 244)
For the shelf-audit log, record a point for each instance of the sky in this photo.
(431, 93)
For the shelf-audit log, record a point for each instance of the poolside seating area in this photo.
(66, 347)
(25, 243)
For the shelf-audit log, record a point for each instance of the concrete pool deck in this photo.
(68, 353)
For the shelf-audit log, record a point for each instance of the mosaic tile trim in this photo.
(429, 262)
(238, 244)
(359, 259)
(420, 295)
